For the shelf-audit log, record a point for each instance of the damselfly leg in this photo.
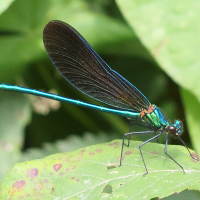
(134, 133)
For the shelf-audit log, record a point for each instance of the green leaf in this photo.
(71, 143)
(4, 5)
(100, 30)
(92, 173)
(170, 31)
(22, 40)
(192, 110)
(14, 115)
(23, 22)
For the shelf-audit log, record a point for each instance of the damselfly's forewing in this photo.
(85, 69)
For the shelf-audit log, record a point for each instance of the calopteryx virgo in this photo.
(81, 66)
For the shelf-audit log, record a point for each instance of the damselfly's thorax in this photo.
(154, 117)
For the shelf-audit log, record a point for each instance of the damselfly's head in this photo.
(176, 128)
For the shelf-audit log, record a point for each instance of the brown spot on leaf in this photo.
(99, 150)
(46, 181)
(32, 172)
(82, 150)
(61, 174)
(128, 153)
(19, 185)
(57, 167)
(79, 159)
(73, 177)
(115, 144)
(81, 154)
(92, 153)
(77, 179)
(154, 153)
(52, 189)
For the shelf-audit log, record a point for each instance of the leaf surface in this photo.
(4, 5)
(170, 31)
(92, 173)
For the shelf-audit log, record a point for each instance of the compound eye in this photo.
(171, 130)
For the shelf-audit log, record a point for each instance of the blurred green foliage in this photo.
(153, 45)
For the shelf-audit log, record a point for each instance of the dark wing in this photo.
(85, 69)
